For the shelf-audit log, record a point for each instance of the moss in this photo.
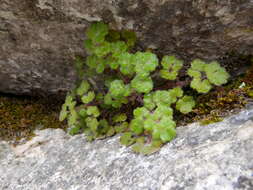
(250, 93)
(211, 119)
(223, 102)
(20, 116)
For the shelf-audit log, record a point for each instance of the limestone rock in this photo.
(39, 38)
(213, 157)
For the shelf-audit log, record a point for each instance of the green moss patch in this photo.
(20, 116)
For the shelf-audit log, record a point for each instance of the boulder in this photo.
(213, 157)
(40, 38)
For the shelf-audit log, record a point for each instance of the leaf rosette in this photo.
(171, 66)
(204, 75)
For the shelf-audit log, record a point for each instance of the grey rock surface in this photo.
(213, 157)
(39, 38)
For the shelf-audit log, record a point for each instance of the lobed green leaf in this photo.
(171, 66)
(198, 65)
(145, 62)
(119, 118)
(216, 74)
(75, 130)
(83, 88)
(136, 126)
(126, 62)
(162, 97)
(97, 32)
(185, 104)
(93, 111)
(88, 98)
(92, 123)
(102, 50)
(118, 48)
(118, 89)
(148, 101)
(175, 93)
(202, 86)
(127, 139)
(142, 84)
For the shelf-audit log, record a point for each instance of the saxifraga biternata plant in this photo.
(130, 101)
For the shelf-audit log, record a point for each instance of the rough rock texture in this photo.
(39, 38)
(214, 157)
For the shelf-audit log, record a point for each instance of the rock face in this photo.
(39, 38)
(213, 157)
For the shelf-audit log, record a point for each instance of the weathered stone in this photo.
(39, 38)
(213, 157)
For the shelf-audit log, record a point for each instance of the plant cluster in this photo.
(131, 101)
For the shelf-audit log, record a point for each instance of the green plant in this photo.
(131, 101)
(206, 74)
(171, 66)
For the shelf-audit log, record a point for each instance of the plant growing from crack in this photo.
(131, 101)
